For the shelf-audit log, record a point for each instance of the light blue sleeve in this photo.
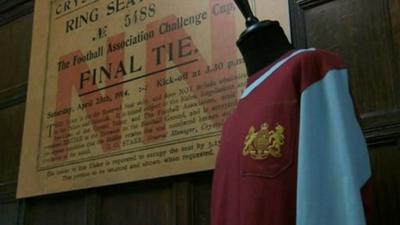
(333, 162)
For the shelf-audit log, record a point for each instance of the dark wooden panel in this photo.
(202, 199)
(11, 120)
(11, 10)
(361, 32)
(8, 187)
(383, 135)
(12, 96)
(394, 7)
(305, 4)
(15, 44)
(183, 195)
(367, 35)
(61, 209)
(144, 203)
(297, 25)
(8, 204)
(9, 213)
(386, 183)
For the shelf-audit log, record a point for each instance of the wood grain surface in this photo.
(365, 33)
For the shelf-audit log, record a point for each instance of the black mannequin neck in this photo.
(261, 44)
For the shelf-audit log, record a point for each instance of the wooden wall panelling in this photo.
(12, 10)
(142, 203)
(341, 26)
(386, 183)
(202, 199)
(297, 28)
(394, 9)
(11, 120)
(15, 45)
(8, 212)
(8, 205)
(15, 41)
(183, 201)
(62, 209)
(92, 205)
(12, 96)
(298, 25)
(366, 34)
(306, 4)
(360, 31)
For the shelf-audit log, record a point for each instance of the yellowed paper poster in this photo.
(126, 90)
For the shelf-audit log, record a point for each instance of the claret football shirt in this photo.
(293, 153)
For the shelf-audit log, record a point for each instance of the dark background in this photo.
(366, 33)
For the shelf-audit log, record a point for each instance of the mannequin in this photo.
(286, 155)
(262, 42)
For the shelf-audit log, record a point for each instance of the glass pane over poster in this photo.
(125, 90)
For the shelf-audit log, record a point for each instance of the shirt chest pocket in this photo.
(270, 146)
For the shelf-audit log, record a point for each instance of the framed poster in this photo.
(126, 90)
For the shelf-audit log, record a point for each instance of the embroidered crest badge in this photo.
(264, 143)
